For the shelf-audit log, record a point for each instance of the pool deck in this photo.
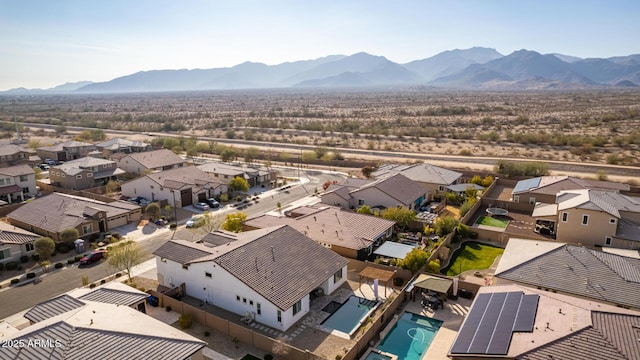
(452, 316)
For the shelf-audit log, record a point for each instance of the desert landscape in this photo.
(581, 126)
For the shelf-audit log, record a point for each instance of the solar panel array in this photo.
(492, 320)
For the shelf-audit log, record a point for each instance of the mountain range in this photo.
(474, 68)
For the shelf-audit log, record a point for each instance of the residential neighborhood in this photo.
(259, 259)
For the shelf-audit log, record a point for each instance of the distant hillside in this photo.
(474, 68)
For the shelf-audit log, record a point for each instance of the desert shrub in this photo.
(473, 235)
(24, 259)
(11, 265)
(78, 257)
(434, 265)
(116, 235)
(118, 275)
(92, 285)
(185, 321)
(103, 281)
(462, 231)
(71, 261)
(14, 281)
(31, 275)
(467, 205)
(35, 257)
(444, 225)
(58, 265)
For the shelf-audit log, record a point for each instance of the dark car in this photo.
(213, 203)
(92, 257)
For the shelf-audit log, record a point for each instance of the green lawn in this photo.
(472, 256)
(491, 221)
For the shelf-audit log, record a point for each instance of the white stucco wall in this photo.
(222, 290)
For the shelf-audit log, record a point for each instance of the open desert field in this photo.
(588, 126)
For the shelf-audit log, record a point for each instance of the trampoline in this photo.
(497, 212)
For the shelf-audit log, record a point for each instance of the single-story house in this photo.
(515, 322)
(179, 187)
(433, 178)
(103, 323)
(574, 270)
(119, 145)
(225, 172)
(149, 161)
(391, 191)
(84, 173)
(347, 233)
(544, 189)
(15, 242)
(267, 274)
(51, 214)
(17, 183)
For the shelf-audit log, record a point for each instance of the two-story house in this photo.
(15, 242)
(11, 154)
(65, 151)
(17, 183)
(267, 273)
(226, 172)
(593, 218)
(84, 173)
(150, 161)
(545, 188)
(180, 186)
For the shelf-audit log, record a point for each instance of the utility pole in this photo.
(15, 120)
(175, 213)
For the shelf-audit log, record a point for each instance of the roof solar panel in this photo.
(527, 313)
(468, 330)
(487, 324)
(501, 338)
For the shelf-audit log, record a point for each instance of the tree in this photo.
(365, 209)
(470, 192)
(60, 129)
(112, 186)
(69, 235)
(251, 153)
(34, 144)
(211, 223)
(233, 222)
(462, 231)
(44, 247)
(328, 183)
(488, 180)
(308, 156)
(153, 210)
(476, 179)
(228, 154)
(444, 225)
(366, 171)
(125, 256)
(414, 260)
(238, 184)
(467, 205)
(401, 216)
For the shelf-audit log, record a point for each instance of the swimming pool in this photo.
(348, 317)
(410, 336)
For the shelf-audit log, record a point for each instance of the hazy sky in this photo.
(47, 43)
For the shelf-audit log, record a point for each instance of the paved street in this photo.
(56, 282)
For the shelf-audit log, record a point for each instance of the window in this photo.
(29, 247)
(5, 254)
(186, 267)
(565, 216)
(360, 202)
(207, 274)
(87, 229)
(79, 176)
(89, 174)
(337, 276)
(1, 181)
(612, 220)
(279, 316)
(532, 200)
(244, 300)
(251, 302)
(24, 178)
(297, 307)
(238, 297)
(607, 240)
(259, 308)
(585, 219)
(516, 198)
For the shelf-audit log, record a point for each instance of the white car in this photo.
(201, 206)
(195, 221)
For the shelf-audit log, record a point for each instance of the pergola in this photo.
(374, 273)
(435, 284)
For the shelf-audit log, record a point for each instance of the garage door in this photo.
(186, 197)
(117, 221)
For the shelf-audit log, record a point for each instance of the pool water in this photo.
(348, 317)
(410, 336)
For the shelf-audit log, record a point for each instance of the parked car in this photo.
(92, 257)
(50, 161)
(195, 221)
(201, 206)
(213, 203)
(44, 167)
